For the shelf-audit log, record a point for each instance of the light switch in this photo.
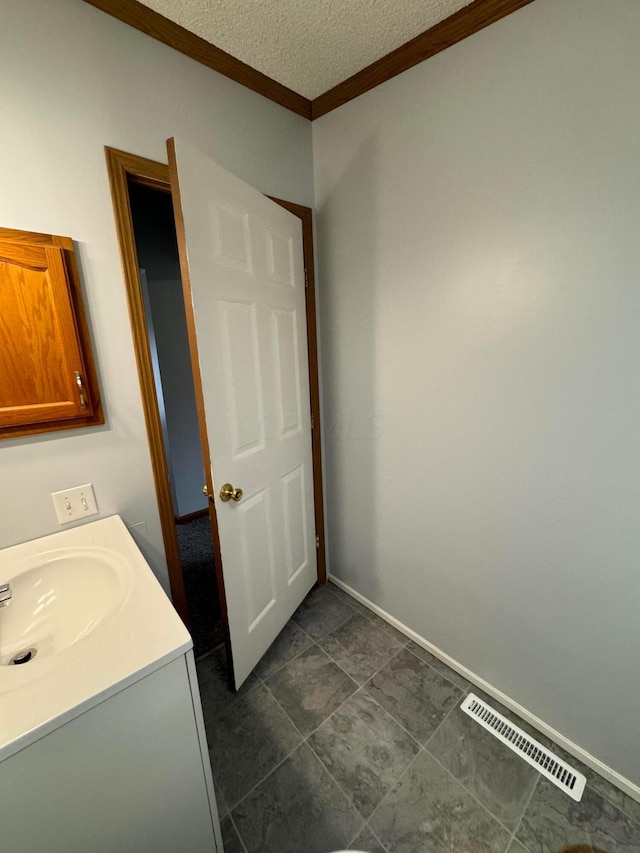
(77, 502)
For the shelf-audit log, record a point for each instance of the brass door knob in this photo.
(228, 493)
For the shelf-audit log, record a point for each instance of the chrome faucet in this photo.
(5, 594)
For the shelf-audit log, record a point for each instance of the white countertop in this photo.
(139, 635)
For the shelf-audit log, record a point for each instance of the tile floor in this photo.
(349, 736)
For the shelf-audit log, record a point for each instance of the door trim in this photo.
(122, 167)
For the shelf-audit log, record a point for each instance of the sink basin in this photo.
(87, 602)
(58, 599)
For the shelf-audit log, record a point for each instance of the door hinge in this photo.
(306, 277)
(317, 543)
(313, 422)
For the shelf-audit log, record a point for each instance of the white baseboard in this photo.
(578, 752)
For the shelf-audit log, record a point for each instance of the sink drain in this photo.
(22, 657)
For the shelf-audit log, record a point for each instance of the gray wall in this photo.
(73, 80)
(478, 260)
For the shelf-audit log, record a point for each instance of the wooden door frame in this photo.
(124, 167)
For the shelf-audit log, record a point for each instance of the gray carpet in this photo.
(198, 568)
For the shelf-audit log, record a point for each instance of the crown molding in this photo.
(455, 28)
(448, 32)
(142, 18)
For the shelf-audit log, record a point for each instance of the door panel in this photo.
(242, 377)
(295, 522)
(280, 262)
(256, 541)
(231, 237)
(287, 373)
(244, 281)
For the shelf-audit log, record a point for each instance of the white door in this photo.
(246, 270)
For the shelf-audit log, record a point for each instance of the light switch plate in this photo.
(77, 502)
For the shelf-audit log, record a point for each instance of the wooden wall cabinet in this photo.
(47, 374)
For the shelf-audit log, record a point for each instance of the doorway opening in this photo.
(128, 175)
(157, 251)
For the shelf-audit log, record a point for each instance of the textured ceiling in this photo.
(307, 45)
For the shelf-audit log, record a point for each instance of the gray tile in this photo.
(599, 784)
(288, 644)
(215, 692)
(499, 778)
(222, 806)
(364, 749)
(360, 647)
(230, 839)
(414, 693)
(428, 810)
(297, 808)
(348, 599)
(614, 795)
(552, 820)
(516, 847)
(310, 688)
(321, 612)
(367, 842)
(370, 615)
(247, 741)
(387, 628)
(457, 679)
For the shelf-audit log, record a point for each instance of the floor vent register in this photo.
(557, 771)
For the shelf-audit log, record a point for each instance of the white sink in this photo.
(86, 602)
(59, 598)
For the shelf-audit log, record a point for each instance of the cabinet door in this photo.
(42, 372)
(127, 776)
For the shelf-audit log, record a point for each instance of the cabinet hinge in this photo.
(306, 277)
(317, 542)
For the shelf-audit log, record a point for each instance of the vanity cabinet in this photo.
(131, 775)
(102, 740)
(47, 374)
